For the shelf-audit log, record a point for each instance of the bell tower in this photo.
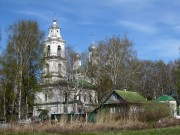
(54, 68)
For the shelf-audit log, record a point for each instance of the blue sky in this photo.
(152, 25)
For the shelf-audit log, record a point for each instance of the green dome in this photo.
(165, 98)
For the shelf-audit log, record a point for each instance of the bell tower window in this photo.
(59, 50)
(46, 97)
(59, 69)
(48, 50)
(47, 69)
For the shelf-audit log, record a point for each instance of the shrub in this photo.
(154, 111)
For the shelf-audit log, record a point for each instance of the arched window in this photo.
(59, 50)
(48, 50)
(59, 69)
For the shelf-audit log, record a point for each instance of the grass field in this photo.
(160, 131)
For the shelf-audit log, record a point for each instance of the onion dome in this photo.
(92, 48)
(77, 56)
(54, 24)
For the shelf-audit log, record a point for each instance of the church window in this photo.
(65, 97)
(47, 68)
(92, 81)
(47, 80)
(46, 97)
(48, 50)
(59, 69)
(59, 50)
(85, 97)
(90, 98)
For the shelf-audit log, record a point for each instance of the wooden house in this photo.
(122, 101)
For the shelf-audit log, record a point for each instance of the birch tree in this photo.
(25, 50)
(114, 58)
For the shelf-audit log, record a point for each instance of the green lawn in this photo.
(161, 131)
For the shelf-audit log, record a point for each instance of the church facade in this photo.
(58, 95)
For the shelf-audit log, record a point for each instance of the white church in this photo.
(57, 95)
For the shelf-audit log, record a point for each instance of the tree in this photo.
(69, 54)
(22, 61)
(115, 64)
(176, 76)
(155, 78)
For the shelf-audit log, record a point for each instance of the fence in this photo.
(86, 117)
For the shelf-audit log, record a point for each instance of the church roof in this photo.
(165, 98)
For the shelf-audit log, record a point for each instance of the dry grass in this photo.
(152, 117)
(105, 122)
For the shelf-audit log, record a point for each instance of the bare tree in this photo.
(114, 63)
(155, 78)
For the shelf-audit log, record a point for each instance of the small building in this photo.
(122, 101)
(171, 101)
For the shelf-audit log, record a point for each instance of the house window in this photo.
(48, 50)
(115, 97)
(59, 50)
(113, 110)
